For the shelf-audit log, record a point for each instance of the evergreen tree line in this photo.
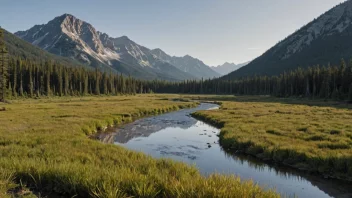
(33, 79)
(28, 78)
(327, 82)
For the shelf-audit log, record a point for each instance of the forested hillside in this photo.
(322, 41)
(333, 82)
(30, 78)
(20, 48)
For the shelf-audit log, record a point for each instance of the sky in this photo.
(214, 31)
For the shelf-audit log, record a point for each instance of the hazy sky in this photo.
(214, 31)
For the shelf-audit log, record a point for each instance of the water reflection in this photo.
(180, 137)
(332, 187)
(145, 127)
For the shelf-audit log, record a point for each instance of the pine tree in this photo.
(3, 67)
(335, 94)
(81, 80)
(105, 84)
(48, 67)
(14, 79)
(60, 81)
(30, 85)
(85, 92)
(20, 67)
(66, 82)
(350, 94)
(9, 91)
(97, 84)
(112, 88)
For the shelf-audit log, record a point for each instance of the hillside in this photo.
(324, 40)
(21, 48)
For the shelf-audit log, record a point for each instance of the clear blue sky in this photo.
(214, 31)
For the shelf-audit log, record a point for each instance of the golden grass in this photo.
(316, 138)
(44, 146)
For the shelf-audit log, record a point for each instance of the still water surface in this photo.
(178, 136)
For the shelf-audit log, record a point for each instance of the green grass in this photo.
(44, 147)
(306, 134)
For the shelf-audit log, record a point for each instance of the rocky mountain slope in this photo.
(20, 48)
(226, 68)
(322, 41)
(71, 37)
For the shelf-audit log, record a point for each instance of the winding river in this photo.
(178, 136)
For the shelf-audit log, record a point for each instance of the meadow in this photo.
(312, 135)
(45, 150)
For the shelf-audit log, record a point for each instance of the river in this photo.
(180, 137)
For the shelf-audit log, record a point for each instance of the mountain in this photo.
(228, 67)
(187, 64)
(325, 40)
(25, 50)
(134, 54)
(71, 37)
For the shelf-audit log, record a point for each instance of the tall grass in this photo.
(309, 137)
(44, 147)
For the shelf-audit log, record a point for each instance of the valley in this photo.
(87, 111)
(47, 150)
(179, 136)
(38, 148)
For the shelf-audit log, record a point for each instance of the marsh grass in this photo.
(44, 147)
(296, 133)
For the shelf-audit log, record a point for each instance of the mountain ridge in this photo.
(71, 37)
(188, 64)
(23, 49)
(322, 41)
(227, 67)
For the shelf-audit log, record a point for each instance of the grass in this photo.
(306, 134)
(44, 147)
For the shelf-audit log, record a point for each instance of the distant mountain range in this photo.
(325, 40)
(228, 67)
(187, 64)
(70, 37)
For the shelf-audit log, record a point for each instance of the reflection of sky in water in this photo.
(178, 136)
